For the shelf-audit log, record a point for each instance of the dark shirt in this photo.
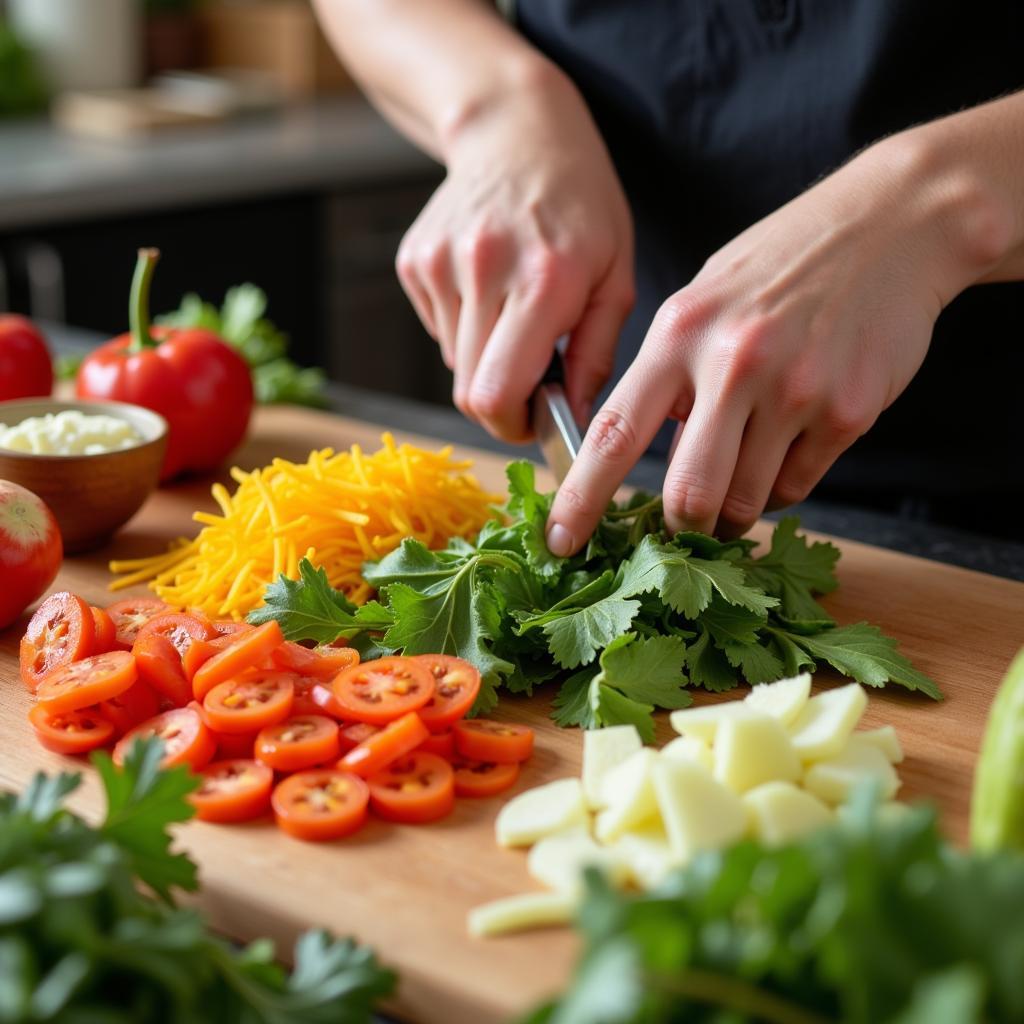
(717, 112)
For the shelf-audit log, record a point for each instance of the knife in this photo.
(557, 434)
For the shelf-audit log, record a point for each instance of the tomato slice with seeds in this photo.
(380, 691)
(235, 790)
(240, 744)
(181, 628)
(456, 685)
(228, 627)
(350, 736)
(127, 709)
(321, 804)
(416, 788)
(248, 649)
(482, 739)
(86, 682)
(320, 662)
(60, 631)
(440, 743)
(131, 614)
(198, 653)
(71, 732)
(185, 737)
(376, 752)
(160, 667)
(302, 741)
(104, 631)
(250, 702)
(322, 695)
(483, 778)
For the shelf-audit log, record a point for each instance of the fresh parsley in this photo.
(83, 936)
(876, 920)
(635, 618)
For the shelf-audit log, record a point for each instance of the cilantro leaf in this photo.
(794, 571)
(794, 658)
(309, 608)
(142, 800)
(708, 666)
(611, 707)
(532, 509)
(861, 652)
(572, 704)
(649, 670)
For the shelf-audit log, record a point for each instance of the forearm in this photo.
(434, 67)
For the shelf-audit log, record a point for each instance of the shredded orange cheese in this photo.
(337, 510)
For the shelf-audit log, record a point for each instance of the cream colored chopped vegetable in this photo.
(689, 748)
(516, 913)
(541, 812)
(886, 740)
(703, 722)
(834, 778)
(826, 721)
(751, 749)
(603, 749)
(783, 699)
(559, 861)
(781, 811)
(627, 792)
(646, 855)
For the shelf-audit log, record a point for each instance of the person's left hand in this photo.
(787, 345)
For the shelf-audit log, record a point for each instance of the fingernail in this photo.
(559, 540)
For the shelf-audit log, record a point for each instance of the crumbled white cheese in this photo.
(69, 433)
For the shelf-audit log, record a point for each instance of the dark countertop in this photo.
(939, 543)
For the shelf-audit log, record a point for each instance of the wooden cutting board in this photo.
(406, 890)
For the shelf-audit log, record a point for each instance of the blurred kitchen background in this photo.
(225, 133)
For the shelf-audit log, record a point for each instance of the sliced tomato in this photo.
(104, 631)
(130, 615)
(82, 683)
(160, 667)
(380, 691)
(128, 709)
(71, 732)
(185, 736)
(456, 684)
(247, 650)
(235, 790)
(250, 702)
(440, 743)
(301, 741)
(304, 703)
(481, 739)
(320, 662)
(376, 752)
(241, 744)
(61, 631)
(228, 627)
(350, 736)
(415, 788)
(321, 804)
(483, 778)
(181, 628)
(322, 695)
(198, 653)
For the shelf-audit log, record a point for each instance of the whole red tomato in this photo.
(192, 377)
(30, 550)
(25, 367)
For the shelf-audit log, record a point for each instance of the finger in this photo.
(617, 436)
(436, 277)
(477, 317)
(512, 363)
(699, 474)
(809, 458)
(590, 355)
(417, 295)
(765, 443)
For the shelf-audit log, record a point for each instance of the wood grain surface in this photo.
(406, 890)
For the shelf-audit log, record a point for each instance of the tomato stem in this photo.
(138, 302)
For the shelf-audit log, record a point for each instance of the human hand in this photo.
(786, 346)
(528, 238)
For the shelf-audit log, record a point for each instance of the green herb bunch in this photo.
(876, 920)
(89, 933)
(628, 623)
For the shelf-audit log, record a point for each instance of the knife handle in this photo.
(555, 373)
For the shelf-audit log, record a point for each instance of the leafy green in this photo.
(81, 942)
(636, 617)
(241, 322)
(876, 920)
(23, 88)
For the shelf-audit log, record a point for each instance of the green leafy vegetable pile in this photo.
(241, 322)
(82, 943)
(874, 921)
(631, 621)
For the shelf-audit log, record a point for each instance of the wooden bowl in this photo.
(91, 496)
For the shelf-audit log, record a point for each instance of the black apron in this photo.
(717, 112)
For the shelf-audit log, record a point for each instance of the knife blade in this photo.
(553, 424)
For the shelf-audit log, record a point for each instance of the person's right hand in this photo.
(528, 238)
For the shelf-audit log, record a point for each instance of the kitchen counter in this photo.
(50, 177)
(925, 540)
